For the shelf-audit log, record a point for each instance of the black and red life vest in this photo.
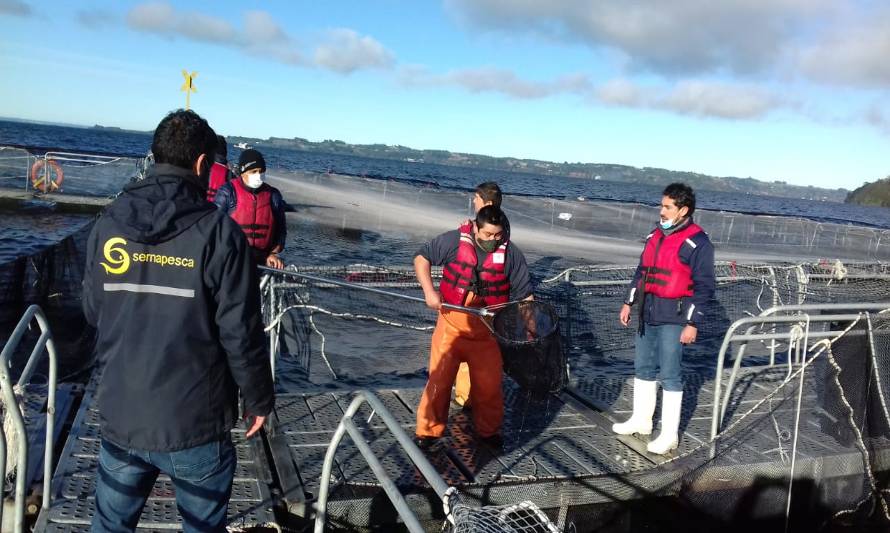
(219, 175)
(491, 285)
(664, 275)
(253, 212)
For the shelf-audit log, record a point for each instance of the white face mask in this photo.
(255, 180)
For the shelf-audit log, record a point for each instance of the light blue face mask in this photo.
(666, 224)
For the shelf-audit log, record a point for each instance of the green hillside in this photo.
(876, 193)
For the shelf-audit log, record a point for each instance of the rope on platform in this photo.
(350, 316)
(323, 354)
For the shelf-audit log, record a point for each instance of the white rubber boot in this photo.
(644, 407)
(669, 438)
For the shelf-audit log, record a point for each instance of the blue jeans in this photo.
(202, 477)
(659, 346)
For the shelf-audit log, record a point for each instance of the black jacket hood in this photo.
(167, 202)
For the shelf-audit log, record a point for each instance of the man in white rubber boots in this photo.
(673, 283)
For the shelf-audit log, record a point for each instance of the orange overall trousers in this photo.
(461, 337)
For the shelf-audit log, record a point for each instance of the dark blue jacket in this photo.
(699, 255)
(171, 288)
(227, 201)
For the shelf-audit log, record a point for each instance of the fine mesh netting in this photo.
(531, 347)
(560, 228)
(522, 517)
(803, 442)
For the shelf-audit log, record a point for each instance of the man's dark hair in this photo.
(222, 150)
(491, 215)
(181, 137)
(489, 192)
(682, 195)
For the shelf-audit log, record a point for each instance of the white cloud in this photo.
(95, 19)
(163, 19)
(620, 92)
(672, 38)
(342, 50)
(345, 51)
(496, 80)
(15, 8)
(263, 37)
(692, 97)
(854, 53)
(708, 99)
(877, 117)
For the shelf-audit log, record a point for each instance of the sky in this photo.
(790, 90)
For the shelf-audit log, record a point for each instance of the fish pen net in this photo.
(588, 298)
(804, 442)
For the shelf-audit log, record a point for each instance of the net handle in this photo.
(484, 312)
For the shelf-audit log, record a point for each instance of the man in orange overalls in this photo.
(488, 193)
(481, 268)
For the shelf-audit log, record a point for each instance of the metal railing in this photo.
(10, 161)
(420, 461)
(797, 340)
(44, 343)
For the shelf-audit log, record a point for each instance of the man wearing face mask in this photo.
(257, 207)
(672, 284)
(487, 193)
(481, 268)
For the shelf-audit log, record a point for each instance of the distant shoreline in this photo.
(582, 171)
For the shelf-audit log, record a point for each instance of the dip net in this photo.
(531, 347)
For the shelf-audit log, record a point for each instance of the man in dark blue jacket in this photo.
(673, 283)
(171, 288)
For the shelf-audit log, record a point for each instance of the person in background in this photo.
(481, 268)
(257, 207)
(673, 284)
(219, 172)
(173, 293)
(487, 193)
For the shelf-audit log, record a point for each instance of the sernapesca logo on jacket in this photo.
(118, 258)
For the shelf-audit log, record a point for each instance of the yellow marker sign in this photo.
(188, 85)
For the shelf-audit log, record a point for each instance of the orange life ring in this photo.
(43, 181)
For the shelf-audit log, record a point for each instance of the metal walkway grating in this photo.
(74, 482)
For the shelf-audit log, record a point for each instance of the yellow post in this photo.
(188, 86)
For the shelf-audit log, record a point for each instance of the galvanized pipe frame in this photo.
(44, 342)
(417, 457)
(767, 318)
(72, 157)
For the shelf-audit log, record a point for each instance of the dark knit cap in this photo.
(251, 159)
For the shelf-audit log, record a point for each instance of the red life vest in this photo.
(253, 212)
(460, 276)
(219, 175)
(664, 275)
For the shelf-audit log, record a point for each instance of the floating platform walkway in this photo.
(559, 453)
(67, 203)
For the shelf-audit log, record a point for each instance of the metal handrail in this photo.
(45, 342)
(82, 158)
(420, 461)
(768, 317)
